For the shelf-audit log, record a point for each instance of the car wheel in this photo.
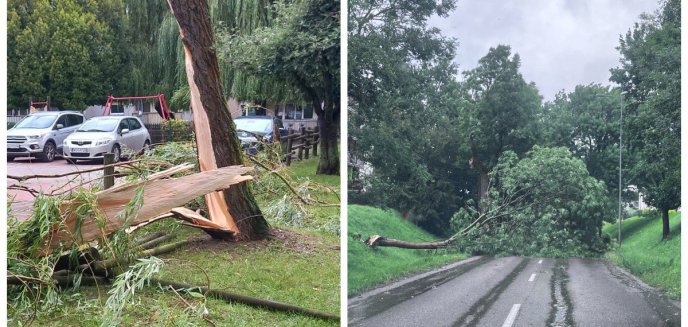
(49, 151)
(117, 153)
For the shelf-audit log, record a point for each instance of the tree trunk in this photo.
(377, 240)
(328, 125)
(482, 170)
(665, 224)
(216, 137)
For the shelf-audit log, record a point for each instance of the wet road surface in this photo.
(514, 291)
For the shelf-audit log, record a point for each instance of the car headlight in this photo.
(103, 141)
(65, 143)
(35, 137)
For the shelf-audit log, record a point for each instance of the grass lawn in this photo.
(643, 252)
(300, 266)
(370, 267)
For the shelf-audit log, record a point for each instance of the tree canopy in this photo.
(432, 145)
(650, 57)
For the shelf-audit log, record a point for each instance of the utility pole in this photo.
(620, 148)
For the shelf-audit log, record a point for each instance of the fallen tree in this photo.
(543, 204)
(100, 272)
(159, 192)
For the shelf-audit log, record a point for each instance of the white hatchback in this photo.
(108, 134)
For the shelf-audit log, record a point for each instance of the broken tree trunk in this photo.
(377, 240)
(216, 136)
(159, 197)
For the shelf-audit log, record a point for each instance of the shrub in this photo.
(177, 130)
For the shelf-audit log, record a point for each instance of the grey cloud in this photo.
(562, 43)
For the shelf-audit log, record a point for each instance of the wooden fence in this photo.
(299, 145)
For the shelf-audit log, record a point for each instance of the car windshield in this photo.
(36, 121)
(99, 125)
(261, 126)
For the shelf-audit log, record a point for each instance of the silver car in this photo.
(41, 134)
(108, 134)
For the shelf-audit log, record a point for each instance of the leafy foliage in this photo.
(300, 48)
(502, 108)
(402, 102)
(67, 50)
(125, 286)
(651, 53)
(533, 208)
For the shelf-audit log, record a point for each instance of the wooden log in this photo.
(377, 240)
(159, 197)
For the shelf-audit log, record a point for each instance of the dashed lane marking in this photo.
(511, 318)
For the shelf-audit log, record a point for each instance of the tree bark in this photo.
(665, 224)
(482, 170)
(328, 125)
(377, 240)
(216, 136)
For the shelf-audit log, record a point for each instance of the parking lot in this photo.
(22, 201)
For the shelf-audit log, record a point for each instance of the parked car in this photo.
(107, 134)
(41, 134)
(248, 127)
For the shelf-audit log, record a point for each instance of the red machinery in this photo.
(164, 111)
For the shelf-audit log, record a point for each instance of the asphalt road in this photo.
(514, 291)
(21, 201)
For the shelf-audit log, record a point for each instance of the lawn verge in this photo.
(643, 252)
(368, 267)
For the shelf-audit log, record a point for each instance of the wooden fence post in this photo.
(290, 143)
(108, 171)
(315, 145)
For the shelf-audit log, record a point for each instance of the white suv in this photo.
(41, 134)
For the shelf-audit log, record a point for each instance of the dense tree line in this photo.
(484, 151)
(79, 52)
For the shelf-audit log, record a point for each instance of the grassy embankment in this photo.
(643, 252)
(369, 267)
(299, 266)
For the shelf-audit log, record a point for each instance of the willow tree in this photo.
(300, 48)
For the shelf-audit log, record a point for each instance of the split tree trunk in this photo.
(216, 137)
(665, 224)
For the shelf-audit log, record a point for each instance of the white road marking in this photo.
(540, 262)
(532, 278)
(511, 318)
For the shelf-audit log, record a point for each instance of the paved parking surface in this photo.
(22, 201)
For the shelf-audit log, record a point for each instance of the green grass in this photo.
(299, 266)
(369, 267)
(643, 252)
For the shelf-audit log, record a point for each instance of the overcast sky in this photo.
(562, 43)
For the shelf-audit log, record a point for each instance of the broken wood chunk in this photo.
(160, 195)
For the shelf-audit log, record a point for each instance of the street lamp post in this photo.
(620, 148)
(619, 219)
